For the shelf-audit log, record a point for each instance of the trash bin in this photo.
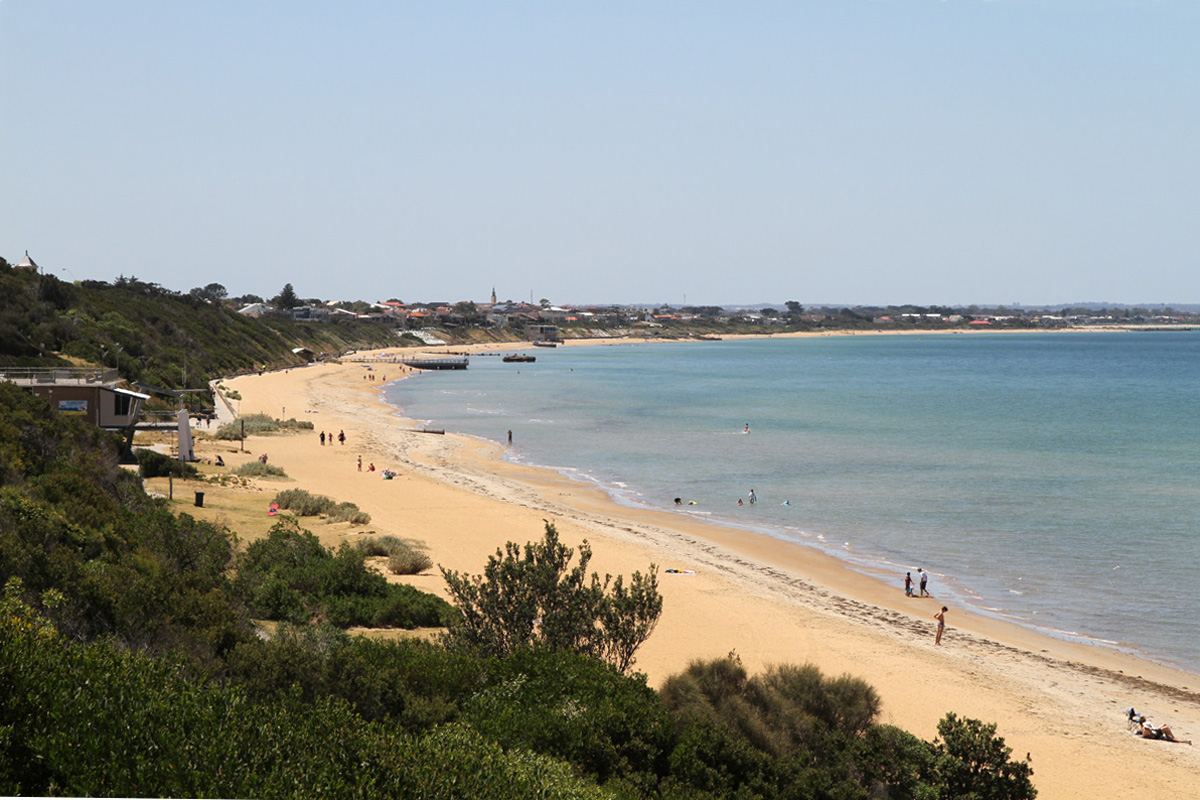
(199, 499)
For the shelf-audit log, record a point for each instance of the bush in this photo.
(409, 562)
(90, 720)
(304, 504)
(376, 546)
(154, 464)
(257, 469)
(290, 576)
(258, 425)
(970, 761)
(535, 600)
(348, 512)
(403, 557)
(248, 424)
(576, 708)
(785, 711)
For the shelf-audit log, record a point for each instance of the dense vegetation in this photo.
(129, 666)
(290, 576)
(154, 335)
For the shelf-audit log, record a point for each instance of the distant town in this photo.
(545, 317)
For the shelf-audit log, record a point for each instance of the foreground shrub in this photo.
(538, 600)
(88, 720)
(577, 708)
(290, 576)
(154, 464)
(257, 469)
(970, 760)
(787, 710)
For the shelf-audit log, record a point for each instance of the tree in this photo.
(213, 292)
(972, 763)
(794, 308)
(286, 298)
(538, 600)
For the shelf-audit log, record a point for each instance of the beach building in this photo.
(87, 392)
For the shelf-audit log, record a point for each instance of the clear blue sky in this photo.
(834, 151)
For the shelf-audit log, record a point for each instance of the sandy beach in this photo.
(768, 601)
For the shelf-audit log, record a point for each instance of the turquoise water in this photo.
(1049, 478)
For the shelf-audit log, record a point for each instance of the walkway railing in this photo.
(28, 376)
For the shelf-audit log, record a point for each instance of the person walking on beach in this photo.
(941, 621)
(908, 584)
(360, 463)
(924, 580)
(322, 438)
(341, 437)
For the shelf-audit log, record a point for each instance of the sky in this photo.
(836, 152)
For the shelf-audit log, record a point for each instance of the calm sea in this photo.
(1053, 479)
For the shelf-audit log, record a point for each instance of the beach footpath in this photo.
(768, 601)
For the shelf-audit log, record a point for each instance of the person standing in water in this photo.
(753, 497)
(747, 428)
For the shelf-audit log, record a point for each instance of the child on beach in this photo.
(941, 621)
(908, 584)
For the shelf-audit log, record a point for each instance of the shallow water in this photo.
(1049, 478)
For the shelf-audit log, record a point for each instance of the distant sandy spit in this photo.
(770, 602)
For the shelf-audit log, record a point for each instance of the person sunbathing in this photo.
(1147, 730)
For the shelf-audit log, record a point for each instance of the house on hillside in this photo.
(26, 263)
(255, 310)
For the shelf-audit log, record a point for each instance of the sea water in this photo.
(1051, 479)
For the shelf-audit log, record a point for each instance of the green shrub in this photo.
(409, 562)
(249, 425)
(376, 546)
(538, 599)
(290, 576)
(788, 710)
(403, 557)
(91, 720)
(304, 504)
(258, 425)
(257, 469)
(154, 464)
(576, 708)
(348, 512)
(971, 761)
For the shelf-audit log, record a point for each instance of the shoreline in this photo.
(875, 564)
(766, 599)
